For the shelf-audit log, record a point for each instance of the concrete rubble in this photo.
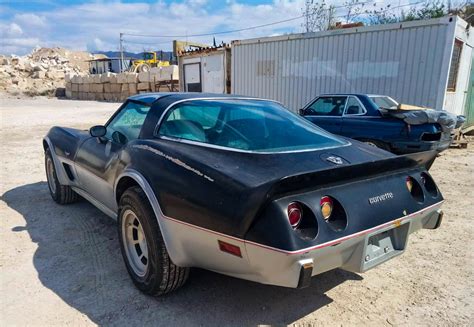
(60, 72)
(42, 72)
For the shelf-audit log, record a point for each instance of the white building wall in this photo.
(212, 70)
(407, 61)
(455, 101)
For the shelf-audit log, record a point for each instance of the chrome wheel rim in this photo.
(50, 175)
(134, 242)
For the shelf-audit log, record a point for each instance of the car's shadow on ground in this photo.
(79, 259)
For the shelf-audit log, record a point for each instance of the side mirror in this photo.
(301, 112)
(97, 131)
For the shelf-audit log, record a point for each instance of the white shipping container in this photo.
(408, 61)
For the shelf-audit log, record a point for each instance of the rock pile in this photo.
(42, 72)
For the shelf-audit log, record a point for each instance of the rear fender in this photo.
(173, 244)
(190, 245)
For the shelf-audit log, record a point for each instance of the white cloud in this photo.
(30, 20)
(95, 45)
(11, 30)
(96, 25)
(197, 2)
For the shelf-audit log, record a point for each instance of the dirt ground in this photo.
(61, 265)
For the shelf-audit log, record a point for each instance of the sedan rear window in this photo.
(384, 102)
(250, 125)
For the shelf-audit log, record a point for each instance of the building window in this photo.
(454, 68)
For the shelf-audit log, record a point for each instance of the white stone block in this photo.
(143, 86)
(95, 78)
(105, 77)
(132, 78)
(144, 77)
(122, 78)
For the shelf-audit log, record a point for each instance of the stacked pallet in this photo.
(118, 87)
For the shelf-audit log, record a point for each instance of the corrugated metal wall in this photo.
(405, 63)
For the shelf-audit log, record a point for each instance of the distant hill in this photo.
(163, 55)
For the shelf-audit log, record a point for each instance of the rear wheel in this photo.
(62, 194)
(143, 248)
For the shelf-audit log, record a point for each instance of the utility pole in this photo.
(121, 52)
(306, 16)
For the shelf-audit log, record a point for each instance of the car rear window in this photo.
(384, 102)
(250, 125)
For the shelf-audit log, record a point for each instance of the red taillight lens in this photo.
(229, 248)
(295, 213)
(326, 207)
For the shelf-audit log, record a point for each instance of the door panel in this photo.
(97, 159)
(192, 77)
(330, 124)
(326, 112)
(96, 165)
(214, 74)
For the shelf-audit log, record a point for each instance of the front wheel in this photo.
(143, 248)
(62, 194)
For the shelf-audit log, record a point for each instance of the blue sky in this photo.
(95, 25)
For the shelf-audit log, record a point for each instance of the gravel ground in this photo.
(61, 265)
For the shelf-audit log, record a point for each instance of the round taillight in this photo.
(295, 213)
(429, 184)
(326, 205)
(409, 183)
(415, 189)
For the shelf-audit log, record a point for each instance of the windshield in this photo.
(147, 56)
(384, 102)
(252, 125)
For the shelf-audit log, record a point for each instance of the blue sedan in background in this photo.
(366, 118)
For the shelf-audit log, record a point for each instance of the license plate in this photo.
(384, 245)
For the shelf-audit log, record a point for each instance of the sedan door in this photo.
(355, 122)
(326, 112)
(97, 158)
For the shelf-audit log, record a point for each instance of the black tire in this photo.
(161, 275)
(62, 194)
(377, 144)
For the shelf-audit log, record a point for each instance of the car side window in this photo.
(127, 124)
(327, 106)
(190, 122)
(207, 117)
(354, 107)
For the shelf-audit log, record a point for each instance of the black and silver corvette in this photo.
(240, 186)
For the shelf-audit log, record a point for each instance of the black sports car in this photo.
(240, 186)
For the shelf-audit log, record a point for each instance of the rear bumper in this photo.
(411, 147)
(418, 146)
(358, 252)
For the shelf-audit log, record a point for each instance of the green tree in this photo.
(381, 15)
(429, 9)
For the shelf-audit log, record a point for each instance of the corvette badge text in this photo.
(380, 198)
